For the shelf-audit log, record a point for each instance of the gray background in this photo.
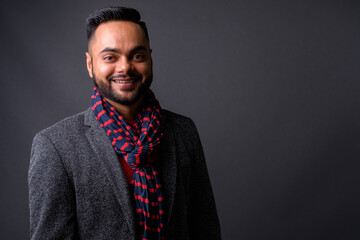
(273, 87)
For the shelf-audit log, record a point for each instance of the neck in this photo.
(129, 112)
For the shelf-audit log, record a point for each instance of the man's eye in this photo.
(138, 57)
(108, 58)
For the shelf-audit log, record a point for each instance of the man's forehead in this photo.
(124, 28)
(113, 31)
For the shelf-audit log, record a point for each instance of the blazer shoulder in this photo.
(176, 120)
(183, 127)
(72, 125)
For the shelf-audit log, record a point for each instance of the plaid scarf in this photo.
(135, 143)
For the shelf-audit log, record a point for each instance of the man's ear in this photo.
(89, 64)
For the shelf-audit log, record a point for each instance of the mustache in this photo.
(130, 75)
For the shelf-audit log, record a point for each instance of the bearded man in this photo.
(124, 168)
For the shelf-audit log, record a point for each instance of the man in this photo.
(124, 168)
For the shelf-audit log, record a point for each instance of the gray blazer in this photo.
(78, 190)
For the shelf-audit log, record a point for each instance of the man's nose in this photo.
(123, 65)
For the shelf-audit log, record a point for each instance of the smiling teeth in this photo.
(120, 81)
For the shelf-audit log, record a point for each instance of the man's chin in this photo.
(126, 98)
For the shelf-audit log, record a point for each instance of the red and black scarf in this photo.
(134, 143)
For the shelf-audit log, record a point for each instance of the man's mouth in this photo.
(125, 81)
(124, 78)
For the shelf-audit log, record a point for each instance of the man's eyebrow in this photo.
(110, 50)
(138, 48)
(114, 50)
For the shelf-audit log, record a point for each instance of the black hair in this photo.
(113, 13)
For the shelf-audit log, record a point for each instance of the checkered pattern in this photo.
(134, 143)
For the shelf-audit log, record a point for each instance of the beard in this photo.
(105, 89)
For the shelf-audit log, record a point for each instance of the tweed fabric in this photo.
(134, 142)
(78, 190)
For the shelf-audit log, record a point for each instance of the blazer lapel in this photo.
(106, 155)
(167, 158)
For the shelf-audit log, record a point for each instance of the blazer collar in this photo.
(168, 161)
(107, 156)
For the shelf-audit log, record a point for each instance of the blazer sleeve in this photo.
(203, 218)
(51, 193)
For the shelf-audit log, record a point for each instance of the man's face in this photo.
(119, 61)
